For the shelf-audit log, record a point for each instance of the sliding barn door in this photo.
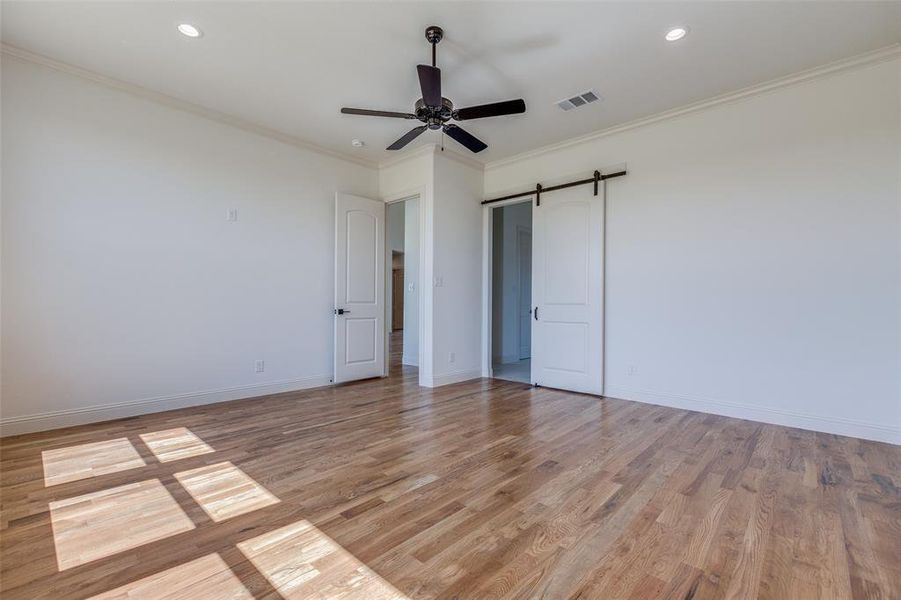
(567, 290)
(359, 288)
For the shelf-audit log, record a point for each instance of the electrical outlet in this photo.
(452, 358)
(231, 214)
(259, 366)
(633, 370)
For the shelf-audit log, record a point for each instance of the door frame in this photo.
(488, 276)
(414, 194)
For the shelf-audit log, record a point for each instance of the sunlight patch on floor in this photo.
(225, 491)
(89, 460)
(207, 578)
(175, 444)
(110, 521)
(300, 561)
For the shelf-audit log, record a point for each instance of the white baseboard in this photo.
(762, 414)
(453, 377)
(93, 414)
(412, 361)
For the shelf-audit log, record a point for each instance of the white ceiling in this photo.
(290, 66)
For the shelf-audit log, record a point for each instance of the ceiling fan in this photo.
(435, 110)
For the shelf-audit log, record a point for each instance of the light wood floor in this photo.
(484, 489)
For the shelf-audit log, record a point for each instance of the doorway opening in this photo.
(402, 283)
(511, 298)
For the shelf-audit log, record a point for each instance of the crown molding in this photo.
(183, 105)
(849, 64)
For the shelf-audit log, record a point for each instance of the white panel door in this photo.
(567, 290)
(359, 288)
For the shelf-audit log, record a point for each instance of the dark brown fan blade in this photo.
(508, 107)
(377, 113)
(465, 138)
(430, 82)
(408, 137)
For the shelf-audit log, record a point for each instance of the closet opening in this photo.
(402, 283)
(511, 299)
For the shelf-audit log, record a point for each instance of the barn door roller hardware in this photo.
(594, 179)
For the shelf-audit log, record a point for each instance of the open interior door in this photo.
(359, 288)
(567, 290)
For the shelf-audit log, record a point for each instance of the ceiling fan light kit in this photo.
(434, 110)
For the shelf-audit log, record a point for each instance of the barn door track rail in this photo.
(595, 179)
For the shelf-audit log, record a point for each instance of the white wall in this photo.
(505, 287)
(395, 219)
(125, 289)
(411, 282)
(413, 176)
(457, 327)
(449, 189)
(754, 254)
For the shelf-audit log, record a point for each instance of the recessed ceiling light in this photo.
(676, 33)
(357, 143)
(189, 30)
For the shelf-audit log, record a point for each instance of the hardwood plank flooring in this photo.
(483, 489)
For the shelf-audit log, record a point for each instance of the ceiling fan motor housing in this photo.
(434, 117)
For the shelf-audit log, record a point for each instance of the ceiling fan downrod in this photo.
(433, 35)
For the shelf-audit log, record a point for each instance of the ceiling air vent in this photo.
(580, 100)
